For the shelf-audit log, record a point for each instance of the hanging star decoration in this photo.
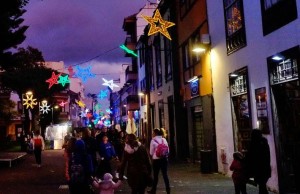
(108, 111)
(127, 50)
(84, 74)
(44, 108)
(80, 103)
(102, 94)
(97, 107)
(157, 24)
(62, 104)
(63, 80)
(109, 83)
(52, 80)
(89, 115)
(29, 101)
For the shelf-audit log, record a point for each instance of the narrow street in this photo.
(25, 177)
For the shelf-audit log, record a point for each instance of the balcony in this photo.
(131, 74)
(130, 44)
(132, 102)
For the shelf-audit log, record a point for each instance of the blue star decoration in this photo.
(109, 83)
(84, 73)
(102, 94)
(63, 80)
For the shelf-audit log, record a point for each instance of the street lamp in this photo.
(56, 107)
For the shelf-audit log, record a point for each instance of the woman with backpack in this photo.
(159, 152)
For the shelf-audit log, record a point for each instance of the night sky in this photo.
(81, 32)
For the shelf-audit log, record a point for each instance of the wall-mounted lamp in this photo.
(199, 48)
(277, 58)
(233, 75)
(141, 94)
(203, 45)
(194, 78)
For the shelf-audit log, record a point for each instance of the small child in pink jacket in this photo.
(107, 185)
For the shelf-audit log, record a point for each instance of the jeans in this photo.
(160, 164)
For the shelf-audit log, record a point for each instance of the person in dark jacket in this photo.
(258, 160)
(137, 160)
(107, 153)
(80, 169)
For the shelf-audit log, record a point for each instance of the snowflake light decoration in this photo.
(109, 83)
(157, 24)
(63, 80)
(102, 94)
(84, 74)
(44, 108)
(53, 79)
(29, 101)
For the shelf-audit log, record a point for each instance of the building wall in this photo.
(253, 56)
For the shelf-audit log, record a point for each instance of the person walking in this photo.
(159, 162)
(80, 169)
(38, 145)
(107, 154)
(137, 161)
(258, 160)
(239, 173)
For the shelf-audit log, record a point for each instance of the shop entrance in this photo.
(287, 131)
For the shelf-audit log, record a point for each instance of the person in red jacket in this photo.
(239, 173)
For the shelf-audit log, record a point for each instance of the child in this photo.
(107, 185)
(239, 174)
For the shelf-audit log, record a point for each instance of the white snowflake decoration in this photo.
(44, 108)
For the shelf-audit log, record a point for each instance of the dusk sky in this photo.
(76, 31)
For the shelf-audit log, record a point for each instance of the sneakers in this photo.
(39, 166)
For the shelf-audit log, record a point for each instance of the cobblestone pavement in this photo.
(25, 177)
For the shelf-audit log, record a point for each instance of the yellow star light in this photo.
(157, 24)
(29, 101)
(80, 103)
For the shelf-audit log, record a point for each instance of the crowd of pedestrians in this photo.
(96, 161)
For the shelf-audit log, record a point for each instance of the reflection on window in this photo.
(269, 3)
(234, 18)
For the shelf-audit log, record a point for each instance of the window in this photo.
(185, 56)
(235, 28)
(286, 69)
(195, 40)
(158, 64)
(142, 55)
(185, 6)
(168, 59)
(277, 13)
(161, 114)
(149, 60)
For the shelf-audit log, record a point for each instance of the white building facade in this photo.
(251, 88)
